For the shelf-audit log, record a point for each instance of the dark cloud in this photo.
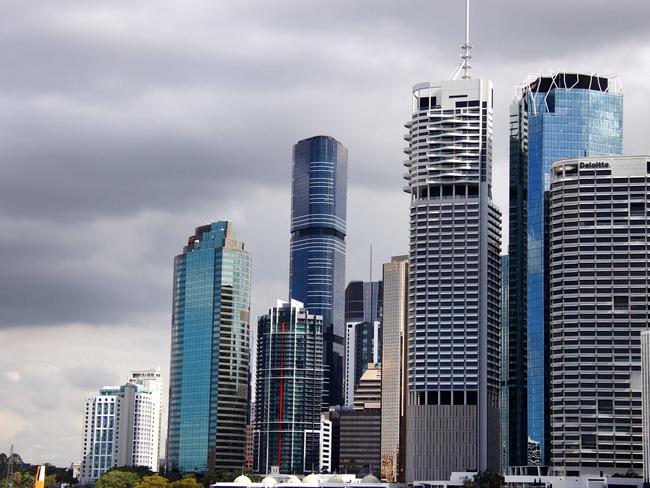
(126, 125)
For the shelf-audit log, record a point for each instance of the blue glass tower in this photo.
(209, 367)
(563, 115)
(317, 254)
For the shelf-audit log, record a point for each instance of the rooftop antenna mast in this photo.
(466, 53)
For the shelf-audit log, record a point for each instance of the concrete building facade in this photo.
(393, 332)
(452, 411)
(120, 428)
(599, 305)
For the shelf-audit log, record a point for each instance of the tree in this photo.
(187, 481)
(219, 475)
(23, 480)
(117, 479)
(154, 481)
(141, 471)
(485, 479)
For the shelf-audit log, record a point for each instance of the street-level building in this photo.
(598, 271)
(360, 434)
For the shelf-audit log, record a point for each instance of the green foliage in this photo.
(23, 480)
(219, 475)
(485, 479)
(4, 464)
(115, 478)
(141, 471)
(154, 481)
(187, 481)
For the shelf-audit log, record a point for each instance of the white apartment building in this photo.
(151, 379)
(120, 428)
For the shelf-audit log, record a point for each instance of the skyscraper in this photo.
(317, 255)
(454, 282)
(557, 116)
(362, 348)
(645, 392)
(208, 391)
(289, 390)
(360, 438)
(151, 379)
(503, 400)
(599, 305)
(363, 315)
(363, 301)
(120, 429)
(393, 332)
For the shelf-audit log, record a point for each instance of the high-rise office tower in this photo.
(393, 333)
(561, 115)
(151, 379)
(317, 255)
(289, 390)
(645, 391)
(599, 305)
(363, 301)
(452, 414)
(363, 315)
(360, 436)
(362, 347)
(208, 390)
(120, 429)
(503, 399)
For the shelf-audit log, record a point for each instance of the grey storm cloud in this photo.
(125, 125)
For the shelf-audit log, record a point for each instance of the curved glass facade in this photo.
(208, 392)
(317, 254)
(565, 115)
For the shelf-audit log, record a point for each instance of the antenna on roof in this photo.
(466, 53)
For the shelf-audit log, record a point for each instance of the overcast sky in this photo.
(124, 125)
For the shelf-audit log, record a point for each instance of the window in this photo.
(621, 302)
(588, 441)
(605, 406)
(637, 208)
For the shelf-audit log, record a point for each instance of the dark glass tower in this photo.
(558, 116)
(317, 255)
(289, 389)
(209, 367)
(363, 317)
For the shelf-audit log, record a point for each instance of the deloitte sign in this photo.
(593, 164)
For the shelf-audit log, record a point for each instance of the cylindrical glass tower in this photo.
(317, 254)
